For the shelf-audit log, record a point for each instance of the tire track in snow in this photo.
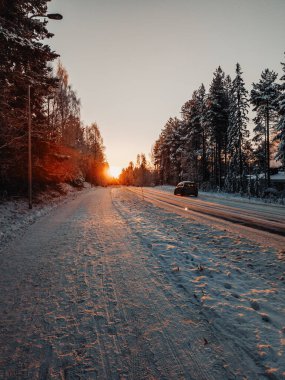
(212, 211)
(85, 297)
(229, 348)
(140, 360)
(150, 286)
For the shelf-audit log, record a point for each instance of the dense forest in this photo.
(36, 96)
(211, 143)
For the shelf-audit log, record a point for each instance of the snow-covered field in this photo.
(108, 286)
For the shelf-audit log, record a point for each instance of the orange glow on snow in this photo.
(114, 171)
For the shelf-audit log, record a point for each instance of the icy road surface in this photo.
(266, 217)
(109, 286)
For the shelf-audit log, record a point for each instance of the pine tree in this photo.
(228, 88)
(264, 99)
(23, 57)
(167, 152)
(217, 114)
(202, 99)
(238, 109)
(172, 144)
(281, 122)
(193, 134)
(24, 61)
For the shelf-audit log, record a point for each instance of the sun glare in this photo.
(115, 171)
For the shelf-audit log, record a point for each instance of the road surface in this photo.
(109, 286)
(264, 219)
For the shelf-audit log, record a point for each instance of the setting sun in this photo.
(114, 171)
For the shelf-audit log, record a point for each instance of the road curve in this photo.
(263, 217)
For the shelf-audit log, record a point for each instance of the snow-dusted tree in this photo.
(167, 155)
(127, 175)
(193, 134)
(264, 99)
(64, 111)
(281, 122)
(217, 115)
(24, 61)
(94, 142)
(237, 131)
(228, 89)
(93, 160)
(202, 99)
(142, 175)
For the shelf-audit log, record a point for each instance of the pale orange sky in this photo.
(134, 63)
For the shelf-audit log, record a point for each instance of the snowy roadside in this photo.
(15, 216)
(219, 197)
(237, 285)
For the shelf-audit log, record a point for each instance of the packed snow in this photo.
(15, 215)
(106, 285)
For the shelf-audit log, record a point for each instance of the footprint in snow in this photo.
(265, 318)
(254, 305)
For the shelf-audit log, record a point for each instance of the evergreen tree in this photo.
(24, 62)
(217, 111)
(167, 156)
(281, 122)
(228, 89)
(202, 99)
(193, 139)
(264, 99)
(238, 132)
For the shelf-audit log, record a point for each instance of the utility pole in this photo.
(29, 148)
(267, 145)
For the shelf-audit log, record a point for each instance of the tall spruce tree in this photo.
(201, 104)
(264, 99)
(217, 111)
(228, 88)
(281, 122)
(238, 132)
(191, 113)
(24, 61)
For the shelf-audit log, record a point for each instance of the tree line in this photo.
(211, 143)
(138, 174)
(63, 149)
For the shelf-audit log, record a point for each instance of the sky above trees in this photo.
(134, 63)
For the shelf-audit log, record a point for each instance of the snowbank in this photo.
(15, 215)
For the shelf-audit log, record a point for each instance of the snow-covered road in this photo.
(262, 216)
(265, 223)
(109, 286)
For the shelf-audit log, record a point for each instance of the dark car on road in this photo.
(186, 188)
